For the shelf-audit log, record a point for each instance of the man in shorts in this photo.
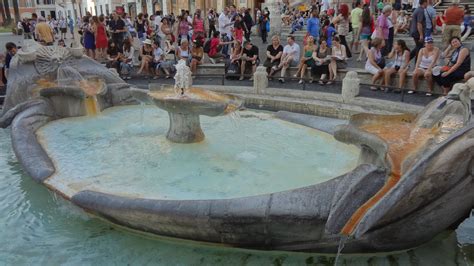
(454, 18)
(290, 57)
(356, 20)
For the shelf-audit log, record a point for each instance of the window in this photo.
(29, 3)
(69, 13)
(101, 10)
(107, 9)
(95, 10)
(43, 14)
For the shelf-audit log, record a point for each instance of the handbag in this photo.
(381, 62)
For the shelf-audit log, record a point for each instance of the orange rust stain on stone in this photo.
(403, 138)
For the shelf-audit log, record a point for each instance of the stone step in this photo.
(364, 76)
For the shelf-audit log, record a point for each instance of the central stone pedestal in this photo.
(184, 128)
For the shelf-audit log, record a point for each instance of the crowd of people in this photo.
(373, 35)
(153, 44)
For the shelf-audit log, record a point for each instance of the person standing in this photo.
(418, 28)
(342, 22)
(198, 26)
(211, 19)
(225, 27)
(43, 32)
(356, 20)
(314, 25)
(454, 18)
(140, 26)
(70, 23)
(26, 29)
(264, 28)
(383, 27)
(248, 21)
(63, 28)
(430, 17)
(117, 28)
(89, 39)
(101, 41)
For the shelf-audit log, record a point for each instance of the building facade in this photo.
(26, 8)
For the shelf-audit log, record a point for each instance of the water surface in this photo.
(124, 151)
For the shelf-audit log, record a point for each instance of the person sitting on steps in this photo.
(249, 58)
(290, 58)
(426, 60)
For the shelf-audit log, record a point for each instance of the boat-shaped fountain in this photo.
(390, 182)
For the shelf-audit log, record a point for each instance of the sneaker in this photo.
(241, 78)
(213, 61)
(251, 78)
(410, 92)
(311, 80)
(155, 77)
(321, 82)
(282, 80)
(429, 94)
(300, 82)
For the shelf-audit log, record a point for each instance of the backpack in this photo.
(232, 71)
(207, 46)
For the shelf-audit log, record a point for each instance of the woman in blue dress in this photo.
(89, 40)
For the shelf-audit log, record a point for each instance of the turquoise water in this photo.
(39, 228)
(255, 154)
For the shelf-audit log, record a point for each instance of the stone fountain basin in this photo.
(196, 101)
(118, 154)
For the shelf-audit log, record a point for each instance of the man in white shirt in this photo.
(289, 58)
(225, 27)
(225, 23)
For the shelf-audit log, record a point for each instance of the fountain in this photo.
(390, 182)
(185, 104)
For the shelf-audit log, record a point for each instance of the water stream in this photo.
(342, 242)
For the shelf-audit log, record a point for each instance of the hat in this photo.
(148, 41)
(429, 39)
